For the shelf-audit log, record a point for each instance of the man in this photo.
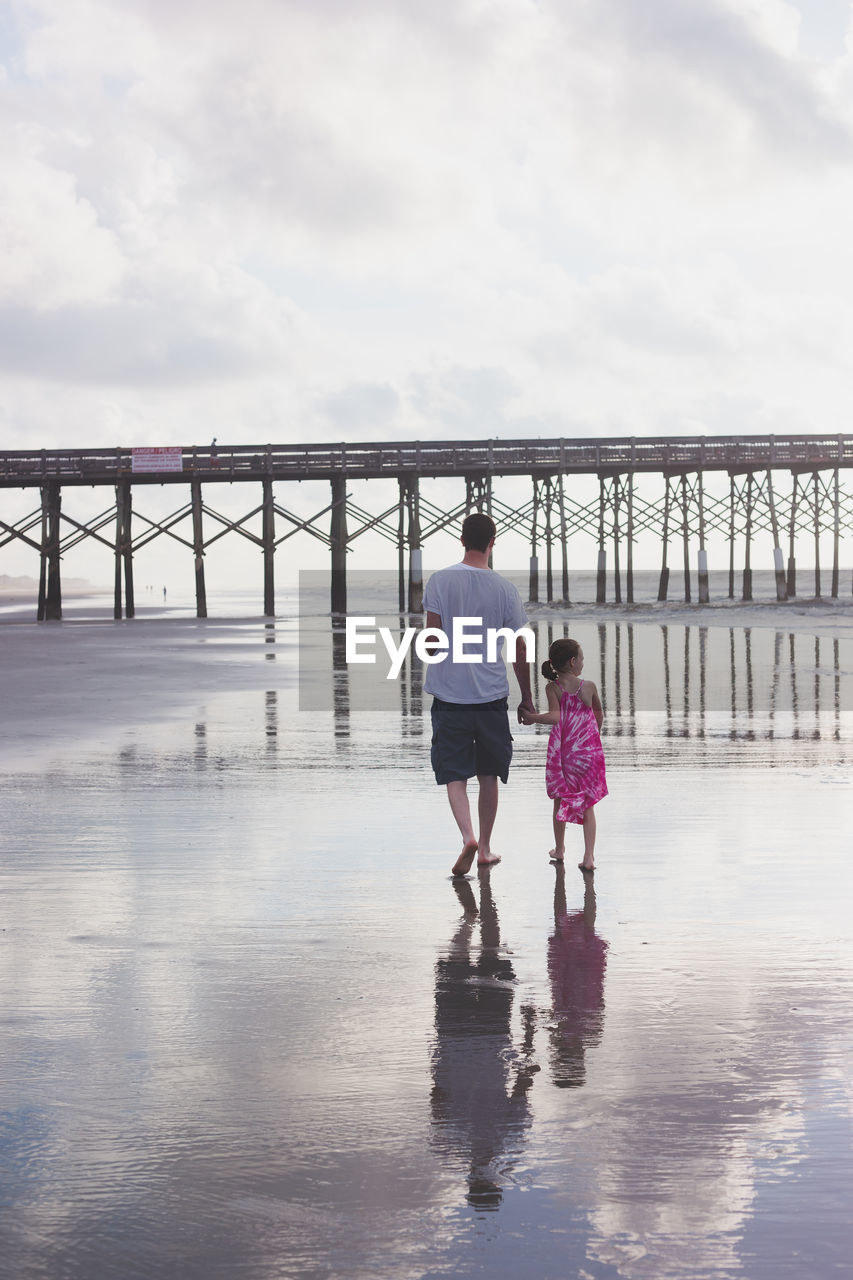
(470, 726)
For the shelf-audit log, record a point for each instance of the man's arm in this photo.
(433, 622)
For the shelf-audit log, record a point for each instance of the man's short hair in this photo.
(478, 531)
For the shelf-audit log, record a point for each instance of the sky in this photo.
(308, 220)
(285, 220)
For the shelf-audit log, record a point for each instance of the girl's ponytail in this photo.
(561, 653)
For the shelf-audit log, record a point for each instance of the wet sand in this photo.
(251, 1027)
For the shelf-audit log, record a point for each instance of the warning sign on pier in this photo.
(166, 459)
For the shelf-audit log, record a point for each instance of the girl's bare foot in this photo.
(463, 863)
(556, 855)
(584, 866)
(488, 860)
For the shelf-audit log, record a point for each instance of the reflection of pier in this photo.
(681, 691)
(679, 682)
(786, 486)
(777, 706)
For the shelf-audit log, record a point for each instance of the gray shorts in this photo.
(470, 738)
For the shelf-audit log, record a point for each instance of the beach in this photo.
(251, 1025)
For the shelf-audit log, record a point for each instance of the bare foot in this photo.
(583, 866)
(556, 855)
(463, 863)
(488, 861)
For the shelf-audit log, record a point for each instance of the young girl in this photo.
(574, 769)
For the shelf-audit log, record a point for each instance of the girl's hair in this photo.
(559, 656)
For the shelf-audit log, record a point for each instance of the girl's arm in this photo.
(597, 709)
(552, 715)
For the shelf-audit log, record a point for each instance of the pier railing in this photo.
(21, 467)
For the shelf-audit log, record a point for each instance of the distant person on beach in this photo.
(470, 725)
(574, 770)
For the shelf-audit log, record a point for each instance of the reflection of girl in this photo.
(574, 770)
(577, 957)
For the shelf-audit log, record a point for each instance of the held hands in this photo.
(526, 711)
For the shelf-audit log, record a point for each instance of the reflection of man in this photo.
(470, 728)
(577, 957)
(476, 1114)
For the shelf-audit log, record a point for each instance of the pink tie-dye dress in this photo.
(574, 768)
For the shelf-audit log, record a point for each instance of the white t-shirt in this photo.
(462, 591)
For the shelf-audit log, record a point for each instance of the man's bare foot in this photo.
(463, 863)
(556, 855)
(488, 861)
(586, 866)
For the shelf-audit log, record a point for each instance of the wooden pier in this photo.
(788, 486)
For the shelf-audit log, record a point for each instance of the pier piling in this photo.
(703, 580)
(123, 553)
(601, 576)
(50, 582)
(663, 584)
(198, 549)
(338, 544)
(268, 539)
(747, 552)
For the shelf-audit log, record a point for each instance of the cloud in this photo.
(362, 411)
(120, 345)
(739, 57)
(317, 219)
(463, 401)
(53, 250)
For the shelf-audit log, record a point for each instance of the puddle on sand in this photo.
(249, 1025)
